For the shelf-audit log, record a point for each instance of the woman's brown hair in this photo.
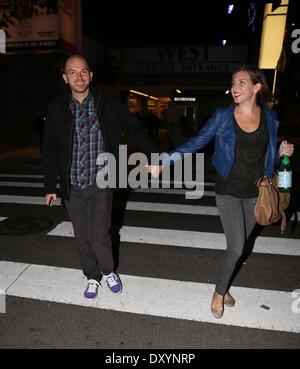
(264, 97)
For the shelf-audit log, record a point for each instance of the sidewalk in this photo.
(25, 155)
(24, 159)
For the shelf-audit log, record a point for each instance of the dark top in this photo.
(249, 162)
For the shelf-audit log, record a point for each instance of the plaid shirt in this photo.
(88, 142)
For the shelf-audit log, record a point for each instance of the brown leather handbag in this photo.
(271, 203)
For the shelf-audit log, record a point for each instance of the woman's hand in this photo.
(286, 149)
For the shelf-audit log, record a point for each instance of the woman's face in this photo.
(242, 88)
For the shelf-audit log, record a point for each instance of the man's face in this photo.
(78, 76)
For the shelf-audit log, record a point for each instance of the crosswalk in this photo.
(259, 308)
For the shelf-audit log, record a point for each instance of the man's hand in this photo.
(50, 196)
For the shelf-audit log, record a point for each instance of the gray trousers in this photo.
(90, 213)
(237, 216)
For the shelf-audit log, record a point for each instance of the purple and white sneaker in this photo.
(113, 282)
(91, 290)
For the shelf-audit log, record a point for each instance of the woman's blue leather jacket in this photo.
(221, 127)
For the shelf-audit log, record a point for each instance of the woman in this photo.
(245, 148)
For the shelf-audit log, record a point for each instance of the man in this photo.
(78, 128)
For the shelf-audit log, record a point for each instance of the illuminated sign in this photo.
(180, 98)
(30, 26)
(2, 41)
(180, 60)
(272, 35)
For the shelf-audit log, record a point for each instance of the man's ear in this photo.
(64, 76)
(91, 75)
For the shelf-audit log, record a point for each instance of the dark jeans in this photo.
(90, 213)
(237, 216)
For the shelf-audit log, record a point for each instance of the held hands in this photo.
(286, 149)
(155, 170)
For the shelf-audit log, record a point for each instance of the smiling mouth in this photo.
(80, 85)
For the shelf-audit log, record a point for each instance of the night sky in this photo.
(166, 23)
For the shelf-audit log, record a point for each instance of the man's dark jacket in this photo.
(114, 118)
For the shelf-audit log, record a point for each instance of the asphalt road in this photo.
(167, 286)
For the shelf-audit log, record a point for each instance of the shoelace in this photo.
(111, 280)
(92, 287)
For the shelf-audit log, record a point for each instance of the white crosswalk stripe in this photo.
(256, 308)
(9, 175)
(31, 200)
(152, 296)
(136, 205)
(174, 191)
(171, 237)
